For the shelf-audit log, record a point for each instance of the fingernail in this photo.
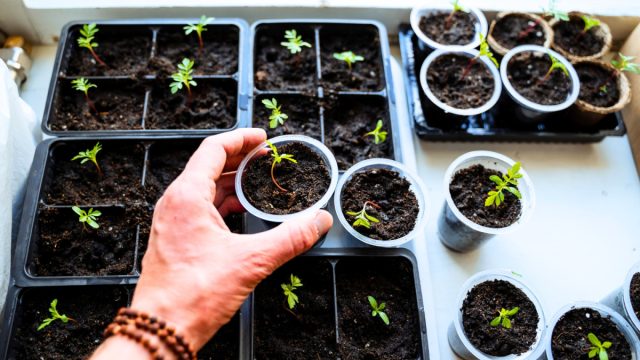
(323, 222)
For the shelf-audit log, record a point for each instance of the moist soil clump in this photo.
(635, 294)
(398, 206)
(513, 30)
(527, 73)
(569, 36)
(460, 30)
(166, 162)
(469, 188)
(303, 116)
(446, 81)
(598, 86)
(483, 304)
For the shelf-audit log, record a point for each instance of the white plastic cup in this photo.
(458, 340)
(480, 24)
(417, 187)
(262, 150)
(455, 230)
(620, 300)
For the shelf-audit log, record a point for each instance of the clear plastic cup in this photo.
(416, 186)
(263, 150)
(620, 299)
(481, 26)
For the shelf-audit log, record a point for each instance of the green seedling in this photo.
(183, 78)
(83, 85)
(598, 348)
(277, 159)
(589, 23)
(509, 182)
(603, 89)
(555, 65)
(376, 310)
(503, 319)
(88, 33)
(362, 218)
(90, 155)
(625, 64)
(553, 12)
(379, 136)
(55, 315)
(199, 28)
(349, 57)
(277, 117)
(294, 42)
(288, 289)
(87, 217)
(485, 51)
(456, 7)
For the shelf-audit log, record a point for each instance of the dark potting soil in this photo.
(398, 206)
(308, 330)
(93, 308)
(306, 182)
(635, 294)
(166, 161)
(362, 336)
(225, 344)
(569, 339)
(119, 106)
(569, 36)
(456, 84)
(515, 29)
(347, 120)
(460, 30)
(469, 188)
(483, 304)
(213, 106)
(592, 80)
(302, 111)
(527, 73)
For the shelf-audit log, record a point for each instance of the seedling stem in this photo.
(200, 27)
(484, 51)
(555, 65)
(83, 85)
(456, 7)
(88, 33)
(184, 77)
(90, 155)
(277, 158)
(55, 315)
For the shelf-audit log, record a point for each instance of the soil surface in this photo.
(347, 120)
(513, 30)
(469, 188)
(119, 106)
(303, 113)
(306, 182)
(93, 308)
(362, 336)
(456, 84)
(635, 294)
(166, 161)
(398, 206)
(225, 344)
(598, 86)
(483, 304)
(569, 339)
(527, 73)
(569, 36)
(307, 331)
(213, 106)
(460, 30)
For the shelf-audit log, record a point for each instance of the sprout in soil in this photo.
(589, 23)
(87, 217)
(83, 85)
(90, 155)
(456, 7)
(349, 57)
(288, 289)
(55, 315)
(184, 77)
(484, 51)
(277, 158)
(376, 310)
(379, 136)
(277, 117)
(555, 65)
(503, 318)
(496, 197)
(554, 12)
(362, 218)
(294, 42)
(198, 28)
(598, 348)
(88, 33)
(622, 65)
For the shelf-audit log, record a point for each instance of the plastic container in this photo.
(458, 340)
(500, 49)
(620, 299)
(417, 187)
(262, 150)
(481, 27)
(456, 231)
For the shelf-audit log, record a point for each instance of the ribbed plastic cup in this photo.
(481, 26)
(620, 299)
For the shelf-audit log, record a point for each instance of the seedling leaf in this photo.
(503, 317)
(509, 182)
(277, 117)
(598, 348)
(379, 136)
(377, 309)
(589, 22)
(55, 315)
(90, 155)
(294, 42)
(277, 158)
(289, 288)
(362, 218)
(349, 57)
(625, 64)
(87, 217)
(199, 28)
(184, 76)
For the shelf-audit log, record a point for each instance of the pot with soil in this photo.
(469, 218)
(583, 330)
(539, 82)
(497, 317)
(455, 29)
(581, 38)
(511, 29)
(626, 299)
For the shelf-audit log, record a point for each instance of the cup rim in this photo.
(482, 27)
(628, 306)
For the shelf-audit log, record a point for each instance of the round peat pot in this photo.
(568, 38)
(501, 40)
(459, 233)
(263, 150)
(620, 299)
(415, 186)
(528, 111)
(459, 340)
(590, 309)
(480, 27)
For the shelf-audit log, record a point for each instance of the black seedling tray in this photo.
(495, 125)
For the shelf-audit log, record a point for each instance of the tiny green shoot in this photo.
(503, 318)
(277, 159)
(552, 11)
(294, 42)
(184, 77)
(379, 136)
(589, 23)
(87, 217)
(288, 289)
(555, 65)
(603, 89)
(277, 117)
(83, 85)
(199, 28)
(485, 51)
(88, 34)
(90, 155)
(55, 315)
(362, 218)
(456, 7)
(625, 64)
(376, 309)
(598, 348)
(509, 182)
(349, 57)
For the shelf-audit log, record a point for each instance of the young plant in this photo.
(376, 310)
(277, 117)
(55, 315)
(87, 217)
(589, 23)
(503, 318)
(349, 57)
(598, 348)
(277, 159)
(484, 51)
(362, 218)
(625, 64)
(379, 136)
(200, 27)
(90, 155)
(555, 65)
(88, 33)
(456, 7)
(294, 42)
(83, 85)
(184, 77)
(509, 182)
(288, 289)
(554, 12)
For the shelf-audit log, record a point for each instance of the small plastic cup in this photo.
(481, 26)
(620, 300)
(456, 231)
(416, 186)
(262, 150)
(458, 340)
